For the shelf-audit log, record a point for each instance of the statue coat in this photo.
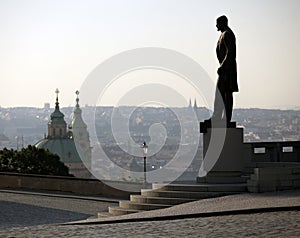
(226, 54)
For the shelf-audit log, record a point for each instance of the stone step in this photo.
(222, 179)
(202, 187)
(183, 194)
(159, 200)
(103, 214)
(141, 206)
(293, 165)
(274, 175)
(117, 211)
(167, 195)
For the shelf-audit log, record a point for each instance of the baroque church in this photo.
(71, 144)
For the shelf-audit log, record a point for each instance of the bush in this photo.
(32, 160)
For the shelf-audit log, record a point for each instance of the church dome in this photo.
(64, 148)
(76, 154)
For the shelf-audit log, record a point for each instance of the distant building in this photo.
(4, 141)
(63, 142)
(196, 109)
(79, 133)
(195, 104)
(190, 103)
(46, 106)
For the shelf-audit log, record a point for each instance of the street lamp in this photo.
(145, 150)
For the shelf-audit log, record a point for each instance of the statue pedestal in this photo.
(223, 154)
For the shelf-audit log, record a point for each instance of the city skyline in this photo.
(56, 44)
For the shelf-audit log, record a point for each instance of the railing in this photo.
(285, 151)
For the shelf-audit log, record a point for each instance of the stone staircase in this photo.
(167, 195)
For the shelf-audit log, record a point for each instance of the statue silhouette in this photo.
(227, 72)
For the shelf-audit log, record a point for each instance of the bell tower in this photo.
(79, 131)
(57, 127)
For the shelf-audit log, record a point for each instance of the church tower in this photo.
(195, 105)
(57, 127)
(62, 142)
(190, 103)
(78, 130)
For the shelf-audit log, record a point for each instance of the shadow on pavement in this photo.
(14, 214)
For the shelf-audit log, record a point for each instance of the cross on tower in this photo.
(57, 92)
(77, 99)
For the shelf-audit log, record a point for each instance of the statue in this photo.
(223, 146)
(227, 72)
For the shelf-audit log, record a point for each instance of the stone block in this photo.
(223, 150)
(296, 171)
(267, 183)
(253, 189)
(267, 178)
(263, 189)
(285, 183)
(225, 180)
(252, 183)
(207, 124)
(282, 188)
(254, 176)
(296, 183)
(273, 171)
(223, 174)
(296, 176)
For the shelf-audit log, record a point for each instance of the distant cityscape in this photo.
(21, 126)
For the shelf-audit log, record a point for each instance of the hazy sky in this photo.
(49, 44)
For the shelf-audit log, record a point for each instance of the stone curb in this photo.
(98, 199)
(185, 216)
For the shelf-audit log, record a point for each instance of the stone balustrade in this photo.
(283, 151)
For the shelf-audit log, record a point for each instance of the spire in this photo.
(190, 103)
(78, 129)
(77, 99)
(77, 121)
(57, 103)
(195, 104)
(57, 113)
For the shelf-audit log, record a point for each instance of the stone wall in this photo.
(280, 151)
(270, 178)
(73, 185)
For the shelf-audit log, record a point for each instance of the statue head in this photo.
(222, 23)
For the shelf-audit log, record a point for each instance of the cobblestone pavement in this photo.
(274, 224)
(32, 215)
(29, 210)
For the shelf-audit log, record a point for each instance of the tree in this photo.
(32, 160)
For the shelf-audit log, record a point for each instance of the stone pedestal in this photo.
(223, 154)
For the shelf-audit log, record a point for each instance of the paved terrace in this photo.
(260, 215)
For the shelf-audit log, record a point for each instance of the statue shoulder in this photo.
(228, 34)
(229, 31)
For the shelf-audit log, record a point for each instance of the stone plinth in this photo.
(222, 152)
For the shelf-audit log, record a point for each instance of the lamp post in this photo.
(145, 150)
